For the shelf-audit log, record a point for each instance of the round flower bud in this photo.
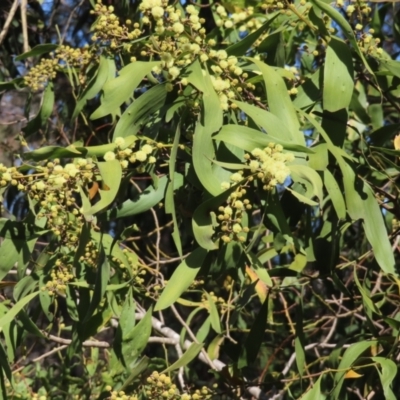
(119, 141)
(141, 155)
(177, 27)
(109, 156)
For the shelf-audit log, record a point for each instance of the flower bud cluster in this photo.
(266, 165)
(109, 30)
(369, 45)
(46, 70)
(90, 255)
(230, 215)
(160, 386)
(126, 155)
(120, 395)
(269, 165)
(242, 20)
(53, 189)
(60, 276)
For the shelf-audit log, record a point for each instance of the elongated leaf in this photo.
(188, 356)
(214, 347)
(111, 173)
(392, 65)
(95, 85)
(145, 200)
(248, 139)
(350, 356)
(335, 194)
(135, 341)
(181, 279)
(136, 370)
(37, 51)
(137, 113)
(255, 337)
(209, 122)
(241, 47)
(53, 152)
(311, 176)
(338, 76)
(12, 313)
(280, 103)
(46, 109)
(315, 392)
(347, 29)
(204, 220)
(214, 315)
(270, 123)
(5, 372)
(361, 204)
(302, 198)
(169, 196)
(389, 372)
(120, 89)
(102, 277)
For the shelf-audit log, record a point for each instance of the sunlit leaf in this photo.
(181, 279)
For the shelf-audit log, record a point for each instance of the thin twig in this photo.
(9, 19)
(24, 23)
(192, 335)
(71, 15)
(52, 351)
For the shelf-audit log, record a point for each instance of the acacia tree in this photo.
(205, 202)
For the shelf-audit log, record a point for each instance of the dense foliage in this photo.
(199, 200)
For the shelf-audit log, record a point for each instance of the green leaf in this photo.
(102, 277)
(111, 174)
(45, 111)
(280, 103)
(186, 358)
(169, 195)
(310, 175)
(271, 124)
(126, 320)
(140, 110)
(182, 278)
(315, 392)
(51, 152)
(350, 356)
(100, 287)
(215, 346)
(135, 341)
(389, 372)
(255, 337)
(14, 250)
(144, 201)
(214, 315)
(5, 372)
(335, 194)
(392, 65)
(338, 76)
(302, 198)
(136, 370)
(210, 121)
(239, 48)
(96, 84)
(37, 51)
(248, 139)
(362, 204)
(204, 330)
(204, 220)
(118, 90)
(347, 29)
(12, 313)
